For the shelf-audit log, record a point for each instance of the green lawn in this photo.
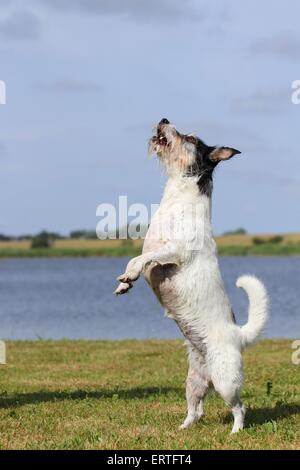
(130, 395)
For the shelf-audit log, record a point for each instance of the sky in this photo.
(86, 81)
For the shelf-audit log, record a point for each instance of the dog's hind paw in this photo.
(236, 429)
(122, 288)
(189, 420)
(187, 423)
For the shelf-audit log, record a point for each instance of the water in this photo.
(72, 298)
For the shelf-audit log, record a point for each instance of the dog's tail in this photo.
(258, 308)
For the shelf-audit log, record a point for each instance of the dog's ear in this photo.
(222, 153)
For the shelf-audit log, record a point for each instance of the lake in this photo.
(73, 298)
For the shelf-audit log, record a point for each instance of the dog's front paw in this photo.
(129, 276)
(122, 288)
(133, 271)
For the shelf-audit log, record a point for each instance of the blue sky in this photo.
(87, 80)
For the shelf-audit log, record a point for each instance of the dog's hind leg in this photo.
(197, 386)
(238, 411)
(229, 385)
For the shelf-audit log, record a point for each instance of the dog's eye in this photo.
(191, 139)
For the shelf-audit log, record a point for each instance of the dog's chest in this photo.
(183, 218)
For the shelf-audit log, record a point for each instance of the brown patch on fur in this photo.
(159, 277)
(182, 155)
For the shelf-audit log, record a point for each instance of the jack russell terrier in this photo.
(180, 264)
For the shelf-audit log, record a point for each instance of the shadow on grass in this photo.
(20, 399)
(258, 416)
(264, 415)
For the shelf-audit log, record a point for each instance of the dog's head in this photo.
(187, 155)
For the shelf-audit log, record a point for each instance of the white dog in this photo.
(180, 264)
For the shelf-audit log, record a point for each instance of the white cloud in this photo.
(262, 102)
(20, 26)
(159, 10)
(285, 44)
(70, 85)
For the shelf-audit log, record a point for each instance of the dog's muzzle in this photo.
(160, 137)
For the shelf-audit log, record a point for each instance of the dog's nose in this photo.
(164, 121)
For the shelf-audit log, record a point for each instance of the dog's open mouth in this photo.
(160, 137)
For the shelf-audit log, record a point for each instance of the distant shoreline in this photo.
(266, 249)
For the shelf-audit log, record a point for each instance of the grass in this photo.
(130, 395)
(230, 245)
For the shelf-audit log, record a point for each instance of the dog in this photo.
(181, 267)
